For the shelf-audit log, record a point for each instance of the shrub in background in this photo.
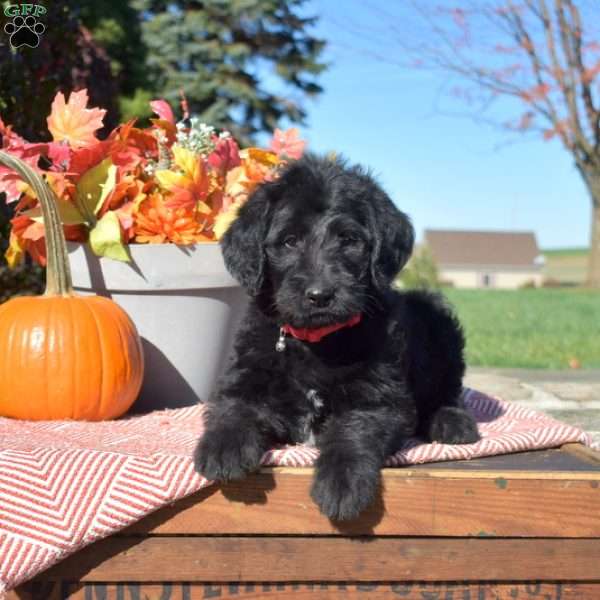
(421, 271)
(25, 280)
(528, 285)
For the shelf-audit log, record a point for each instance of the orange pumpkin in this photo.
(64, 356)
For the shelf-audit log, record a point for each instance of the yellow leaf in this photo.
(236, 182)
(203, 208)
(187, 161)
(170, 179)
(105, 238)
(224, 219)
(265, 157)
(14, 253)
(69, 215)
(94, 187)
(24, 188)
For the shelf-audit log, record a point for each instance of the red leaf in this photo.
(34, 232)
(537, 92)
(287, 143)
(83, 159)
(17, 146)
(60, 155)
(163, 110)
(35, 248)
(561, 127)
(225, 156)
(526, 121)
(131, 146)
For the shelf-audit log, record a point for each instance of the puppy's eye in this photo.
(290, 241)
(349, 239)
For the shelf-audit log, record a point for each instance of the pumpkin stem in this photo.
(58, 270)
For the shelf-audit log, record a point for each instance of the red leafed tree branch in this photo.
(542, 54)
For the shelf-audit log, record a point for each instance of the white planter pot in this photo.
(185, 305)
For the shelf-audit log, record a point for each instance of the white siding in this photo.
(495, 278)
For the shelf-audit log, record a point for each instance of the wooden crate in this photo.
(519, 526)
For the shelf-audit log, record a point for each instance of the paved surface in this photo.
(570, 396)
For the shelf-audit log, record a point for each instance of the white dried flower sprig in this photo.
(198, 137)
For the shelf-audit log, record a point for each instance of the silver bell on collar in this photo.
(280, 345)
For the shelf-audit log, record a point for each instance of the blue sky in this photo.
(446, 172)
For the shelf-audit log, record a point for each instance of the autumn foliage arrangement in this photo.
(172, 182)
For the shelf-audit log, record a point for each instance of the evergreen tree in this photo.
(242, 64)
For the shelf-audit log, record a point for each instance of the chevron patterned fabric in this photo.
(66, 484)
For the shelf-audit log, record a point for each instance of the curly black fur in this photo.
(320, 244)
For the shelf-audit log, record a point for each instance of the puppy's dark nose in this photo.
(319, 296)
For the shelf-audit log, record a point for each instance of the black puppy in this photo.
(328, 351)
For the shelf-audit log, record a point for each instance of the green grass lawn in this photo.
(567, 265)
(537, 328)
(559, 252)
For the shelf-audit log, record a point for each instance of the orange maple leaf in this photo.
(131, 146)
(72, 122)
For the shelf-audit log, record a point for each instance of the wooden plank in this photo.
(278, 501)
(588, 474)
(583, 453)
(553, 459)
(561, 462)
(532, 590)
(247, 559)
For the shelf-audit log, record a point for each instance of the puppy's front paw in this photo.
(453, 425)
(344, 487)
(224, 455)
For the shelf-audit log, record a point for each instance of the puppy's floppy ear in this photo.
(243, 243)
(393, 236)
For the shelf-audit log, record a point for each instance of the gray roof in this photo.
(499, 248)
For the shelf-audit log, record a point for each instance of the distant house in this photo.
(486, 259)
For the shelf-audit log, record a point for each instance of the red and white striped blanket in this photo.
(66, 484)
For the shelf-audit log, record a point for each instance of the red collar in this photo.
(315, 335)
